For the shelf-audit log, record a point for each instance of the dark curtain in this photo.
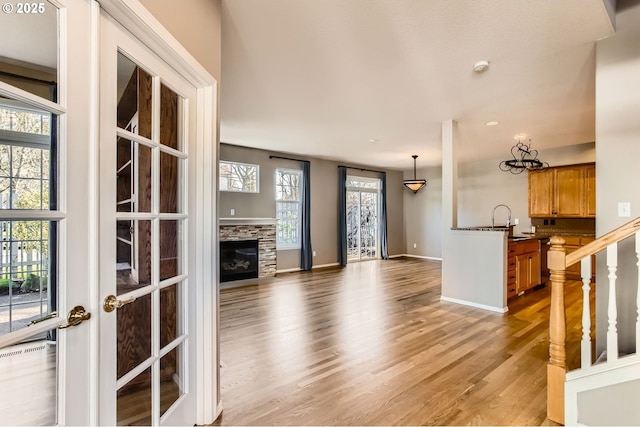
(306, 253)
(342, 215)
(384, 250)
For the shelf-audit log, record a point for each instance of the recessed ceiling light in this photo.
(520, 136)
(480, 66)
(492, 123)
(373, 140)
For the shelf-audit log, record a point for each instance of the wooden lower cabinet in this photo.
(511, 272)
(527, 270)
(523, 267)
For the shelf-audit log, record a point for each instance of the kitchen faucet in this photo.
(493, 213)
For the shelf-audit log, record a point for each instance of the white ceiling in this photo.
(324, 77)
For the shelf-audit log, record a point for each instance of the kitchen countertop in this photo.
(544, 234)
(526, 235)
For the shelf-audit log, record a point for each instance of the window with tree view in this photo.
(239, 177)
(25, 170)
(288, 208)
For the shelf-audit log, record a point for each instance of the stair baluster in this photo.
(612, 310)
(558, 261)
(585, 345)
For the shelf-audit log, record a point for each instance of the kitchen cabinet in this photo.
(512, 289)
(562, 192)
(527, 265)
(523, 266)
(590, 189)
(541, 193)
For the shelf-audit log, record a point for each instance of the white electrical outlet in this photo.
(516, 221)
(314, 253)
(233, 212)
(624, 209)
(415, 245)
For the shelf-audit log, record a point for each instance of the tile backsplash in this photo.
(564, 225)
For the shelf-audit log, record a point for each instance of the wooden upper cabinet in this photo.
(541, 190)
(565, 192)
(590, 189)
(569, 191)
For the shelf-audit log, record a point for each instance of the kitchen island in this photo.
(475, 271)
(478, 272)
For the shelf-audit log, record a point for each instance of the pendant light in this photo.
(414, 184)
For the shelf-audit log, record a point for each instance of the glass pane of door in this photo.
(368, 225)
(150, 174)
(28, 261)
(25, 292)
(353, 225)
(362, 218)
(29, 48)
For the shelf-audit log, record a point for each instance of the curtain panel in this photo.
(342, 215)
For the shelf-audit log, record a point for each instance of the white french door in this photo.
(147, 240)
(363, 222)
(101, 198)
(47, 212)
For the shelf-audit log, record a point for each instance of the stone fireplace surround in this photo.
(263, 229)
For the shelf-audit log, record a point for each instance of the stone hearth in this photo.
(263, 229)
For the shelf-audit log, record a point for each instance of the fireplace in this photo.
(238, 260)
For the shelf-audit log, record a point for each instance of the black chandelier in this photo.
(524, 158)
(414, 184)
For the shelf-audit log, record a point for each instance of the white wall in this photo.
(614, 405)
(481, 186)
(423, 214)
(324, 202)
(469, 279)
(617, 154)
(197, 25)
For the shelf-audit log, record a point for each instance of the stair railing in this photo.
(558, 261)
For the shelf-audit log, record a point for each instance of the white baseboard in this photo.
(417, 256)
(291, 270)
(333, 264)
(288, 270)
(476, 305)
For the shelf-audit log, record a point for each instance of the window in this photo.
(288, 208)
(240, 177)
(25, 184)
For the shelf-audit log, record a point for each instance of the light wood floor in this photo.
(28, 384)
(371, 344)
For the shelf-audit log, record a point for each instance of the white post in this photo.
(585, 345)
(612, 312)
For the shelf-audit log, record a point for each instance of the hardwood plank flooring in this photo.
(372, 344)
(28, 384)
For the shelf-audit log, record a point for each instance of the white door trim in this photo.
(136, 19)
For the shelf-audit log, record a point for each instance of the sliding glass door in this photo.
(363, 201)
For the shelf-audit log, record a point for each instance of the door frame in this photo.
(138, 21)
(378, 193)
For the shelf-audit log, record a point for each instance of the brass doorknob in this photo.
(111, 303)
(76, 316)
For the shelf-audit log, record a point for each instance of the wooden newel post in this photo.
(556, 369)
